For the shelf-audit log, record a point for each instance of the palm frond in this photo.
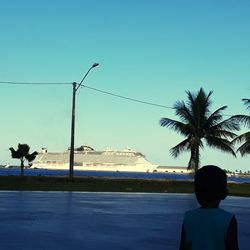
(242, 138)
(214, 118)
(244, 120)
(244, 148)
(228, 124)
(179, 148)
(15, 154)
(190, 99)
(219, 143)
(226, 134)
(183, 112)
(31, 157)
(177, 126)
(246, 102)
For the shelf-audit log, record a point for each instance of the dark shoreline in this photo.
(104, 184)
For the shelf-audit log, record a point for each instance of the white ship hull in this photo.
(119, 168)
(91, 160)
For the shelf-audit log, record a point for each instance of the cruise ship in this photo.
(86, 158)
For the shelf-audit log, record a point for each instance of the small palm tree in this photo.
(243, 139)
(197, 123)
(22, 153)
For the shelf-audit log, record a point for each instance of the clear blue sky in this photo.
(149, 50)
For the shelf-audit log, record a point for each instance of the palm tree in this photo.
(197, 123)
(245, 137)
(22, 153)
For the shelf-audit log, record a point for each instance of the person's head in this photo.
(210, 184)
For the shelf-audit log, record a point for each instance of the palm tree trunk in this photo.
(22, 167)
(194, 161)
(197, 159)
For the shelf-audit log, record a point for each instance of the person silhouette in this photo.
(209, 227)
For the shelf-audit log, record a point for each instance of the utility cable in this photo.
(127, 98)
(98, 90)
(35, 83)
(95, 89)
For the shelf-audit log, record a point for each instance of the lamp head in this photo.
(95, 65)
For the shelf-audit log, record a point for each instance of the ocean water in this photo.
(44, 172)
(93, 221)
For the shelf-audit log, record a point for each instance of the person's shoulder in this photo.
(226, 213)
(191, 212)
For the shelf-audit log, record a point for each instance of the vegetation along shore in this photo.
(101, 184)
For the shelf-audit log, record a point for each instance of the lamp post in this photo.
(72, 144)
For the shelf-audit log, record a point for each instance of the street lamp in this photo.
(72, 144)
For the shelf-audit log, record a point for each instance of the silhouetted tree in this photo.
(22, 153)
(243, 139)
(198, 124)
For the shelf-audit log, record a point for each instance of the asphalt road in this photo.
(114, 221)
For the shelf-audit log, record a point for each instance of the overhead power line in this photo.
(98, 90)
(127, 98)
(91, 88)
(36, 83)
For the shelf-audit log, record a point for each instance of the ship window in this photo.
(78, 163)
